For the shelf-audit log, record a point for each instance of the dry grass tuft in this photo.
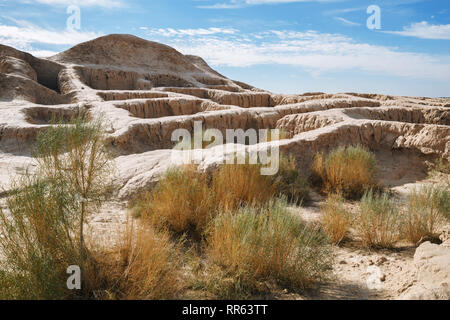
(379, 222)
(268, 244)
(347, 170)
(235, 185)
(181, 201)
(149, 265)
(335, 218)
(289, 182)
(426, 208)
(186, 200)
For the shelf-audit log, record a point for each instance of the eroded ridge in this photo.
(146, 90)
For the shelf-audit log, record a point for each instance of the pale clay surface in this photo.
(146, 90)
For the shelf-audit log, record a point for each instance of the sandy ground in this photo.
(358, 273)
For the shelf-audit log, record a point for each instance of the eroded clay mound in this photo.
(146, 90)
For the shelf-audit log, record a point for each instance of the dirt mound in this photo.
(146, 90)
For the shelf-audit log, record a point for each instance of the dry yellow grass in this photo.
(426, 208)
(181, 201)
(379, 221)
(187, 200)
(335, 218)
(149, 265)
(241, 184)
(268, 244)
(347, 170)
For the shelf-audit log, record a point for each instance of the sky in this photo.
(286, 46)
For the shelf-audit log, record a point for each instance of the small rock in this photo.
(383, 278)
(381, 260)
(342, 262)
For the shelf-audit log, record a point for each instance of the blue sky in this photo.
(286, 46)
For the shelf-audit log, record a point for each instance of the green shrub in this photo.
(289, 182)
(379, 221)
(426, 208)
(42, 227)
(268, 244)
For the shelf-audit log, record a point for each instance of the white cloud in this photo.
(24, 35)
(236, 4)
(169, 32)
(42, 53)
(347, 22)
(315, 52)
(81, 3)
(424, 30)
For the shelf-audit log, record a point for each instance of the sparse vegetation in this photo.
(241, 184)
(268, 244)
(187, 200)
(181, 201)
(350, 171)
(43, 226)
(379, 221)
(426, 207)
(439, 166)
(149, 265)
(335, 218)
(289, 182)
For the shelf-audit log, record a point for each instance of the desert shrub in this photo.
(234, 185)
(347, 170)
(37, 243)
(289, 183)
(425, 209)
(440, 166)
(181, 201)
(186, 199)
(379, 221)
(267, 244)
(210, 281)
(335, 218)
(76, 156)
(42, 227)
(149, 265)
